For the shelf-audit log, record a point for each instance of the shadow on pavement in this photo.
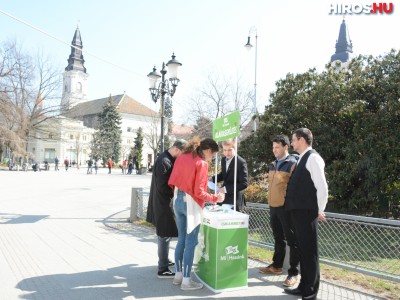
(116, 283)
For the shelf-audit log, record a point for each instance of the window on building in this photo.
(84, 137)
(71, 136)
(49, 154)
(129, 129)
(50, 136)
(128, 141)
(79, 87)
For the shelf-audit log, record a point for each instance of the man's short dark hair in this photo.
(281, 139)
(180, 144)
(304, 133)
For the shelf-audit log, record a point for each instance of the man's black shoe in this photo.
(294, 292)
(170, 263)
(165, 274)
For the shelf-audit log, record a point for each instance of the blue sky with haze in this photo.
(206, 36)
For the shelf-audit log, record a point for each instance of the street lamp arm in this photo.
(165, 87)
(248, 46)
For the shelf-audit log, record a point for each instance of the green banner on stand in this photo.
(226, 127)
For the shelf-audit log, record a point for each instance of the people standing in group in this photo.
(227, 175)
(280, 171)
(306, 199)
(56, 161)
(109, 165)
(189, 179)
(90, 166)
(66, 163)
(159, 210)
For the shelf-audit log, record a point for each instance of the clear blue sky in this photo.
(207, 36)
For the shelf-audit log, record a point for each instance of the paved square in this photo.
(64, 235)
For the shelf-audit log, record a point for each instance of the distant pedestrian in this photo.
(56, 164)
(130, 167)
(96, 166)
(66, 163)
(124, 163)
(136, 162)
(109, 165)
(90, 166)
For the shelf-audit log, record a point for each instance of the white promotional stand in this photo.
(223, 247)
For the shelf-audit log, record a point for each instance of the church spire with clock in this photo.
(75, 78)
(344, 46)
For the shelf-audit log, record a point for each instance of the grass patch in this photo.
(341, 277)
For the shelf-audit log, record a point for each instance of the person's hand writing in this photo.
(221, 197)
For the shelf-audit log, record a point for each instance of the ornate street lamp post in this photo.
(160, 89)
(248, 46)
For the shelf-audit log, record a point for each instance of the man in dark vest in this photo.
(306, 198)
(159, 210)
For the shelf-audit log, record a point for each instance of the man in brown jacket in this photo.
(280, 171)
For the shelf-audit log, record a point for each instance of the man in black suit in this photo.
(228, 172)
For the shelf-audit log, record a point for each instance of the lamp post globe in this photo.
(158, 89)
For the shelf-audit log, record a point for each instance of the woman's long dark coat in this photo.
(159, 210)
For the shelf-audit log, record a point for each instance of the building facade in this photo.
(70, 135)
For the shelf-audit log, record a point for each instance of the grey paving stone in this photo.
(64, 235)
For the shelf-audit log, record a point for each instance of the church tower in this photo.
(75, 78)
(344, 46)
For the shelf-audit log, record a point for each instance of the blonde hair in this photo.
(229, 142)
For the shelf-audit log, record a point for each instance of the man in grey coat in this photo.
(159, 211)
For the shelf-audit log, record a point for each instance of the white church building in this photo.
(70, 135)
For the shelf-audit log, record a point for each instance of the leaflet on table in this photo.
(214, 208)
(212, 186)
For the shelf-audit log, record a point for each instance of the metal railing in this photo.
(361, 244)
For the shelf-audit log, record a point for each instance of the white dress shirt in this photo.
(228, 162)
(315, 165)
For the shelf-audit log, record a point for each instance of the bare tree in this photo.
(125, 150)
(203, 128)
(152, 136)
(219, 97)
(29, 88)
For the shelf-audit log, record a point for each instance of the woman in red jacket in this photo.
(189, 178)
